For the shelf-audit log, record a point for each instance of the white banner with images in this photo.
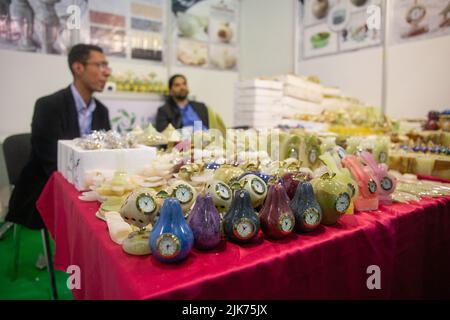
(329, 27)
(206, 33)
(419, 19)
(132, 29)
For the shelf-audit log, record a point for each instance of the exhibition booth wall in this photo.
(417, 72)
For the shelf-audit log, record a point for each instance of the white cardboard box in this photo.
(258, 83)
(303, 93)
(296, 81)
(74, 163)
(331, 91)
(257, 100)
(292, 106)
(335, 103)
(257, 107)
(252, 92)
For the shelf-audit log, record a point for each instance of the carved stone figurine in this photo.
(22, 13)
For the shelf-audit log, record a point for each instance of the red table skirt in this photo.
(410, 243)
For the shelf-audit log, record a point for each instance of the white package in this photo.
(74, 163)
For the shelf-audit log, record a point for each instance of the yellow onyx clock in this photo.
(139, 209)
(220, 193)
(256, 187)
(185, 194)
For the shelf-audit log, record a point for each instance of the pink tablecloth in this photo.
(409, 243)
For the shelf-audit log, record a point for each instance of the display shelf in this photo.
(125, 95)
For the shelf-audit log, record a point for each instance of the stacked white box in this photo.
(331, 92)
(74, 163)
(300, 96)
(257, 103)
(292, 106)
(260, 84)
(301, 88)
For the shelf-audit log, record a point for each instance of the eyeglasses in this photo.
(103, 66)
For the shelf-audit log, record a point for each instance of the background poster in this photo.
(123, 28)
(206, 33)
(334, 26)
(419, 19)
(36, 25)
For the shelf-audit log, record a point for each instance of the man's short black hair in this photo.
(80, 53)
(172, 79)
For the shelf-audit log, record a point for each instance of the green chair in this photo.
(215, 121)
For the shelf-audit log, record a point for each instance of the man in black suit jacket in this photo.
(66, 114)
(178, 110)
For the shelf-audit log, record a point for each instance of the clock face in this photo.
(244, 229)
(145, 203)
(341, 152)
(258, 186)
(372, 186)
(184, 194)
(312, 156)
(342, 202)
(168, 245)
(386, 183)
(417, 13)
(311, 217)
(352, 189)
(223, 191)
(383, 157)
(286, 223)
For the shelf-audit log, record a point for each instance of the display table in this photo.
(409, 242)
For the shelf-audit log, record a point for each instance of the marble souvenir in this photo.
(381, 149)
(290, 146)
(343, 175)
(184, 193)
(228, 174)
(276, 217)
(306, 209)
(310, 152)
(139, 209)
(333, 197)
(205, 223)
(119, 185)
(368, 185)
(151, 137)
(387, 182)
(256, 188)
(291, 180)
(171, 239)
(220, 193)
(241, 223)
